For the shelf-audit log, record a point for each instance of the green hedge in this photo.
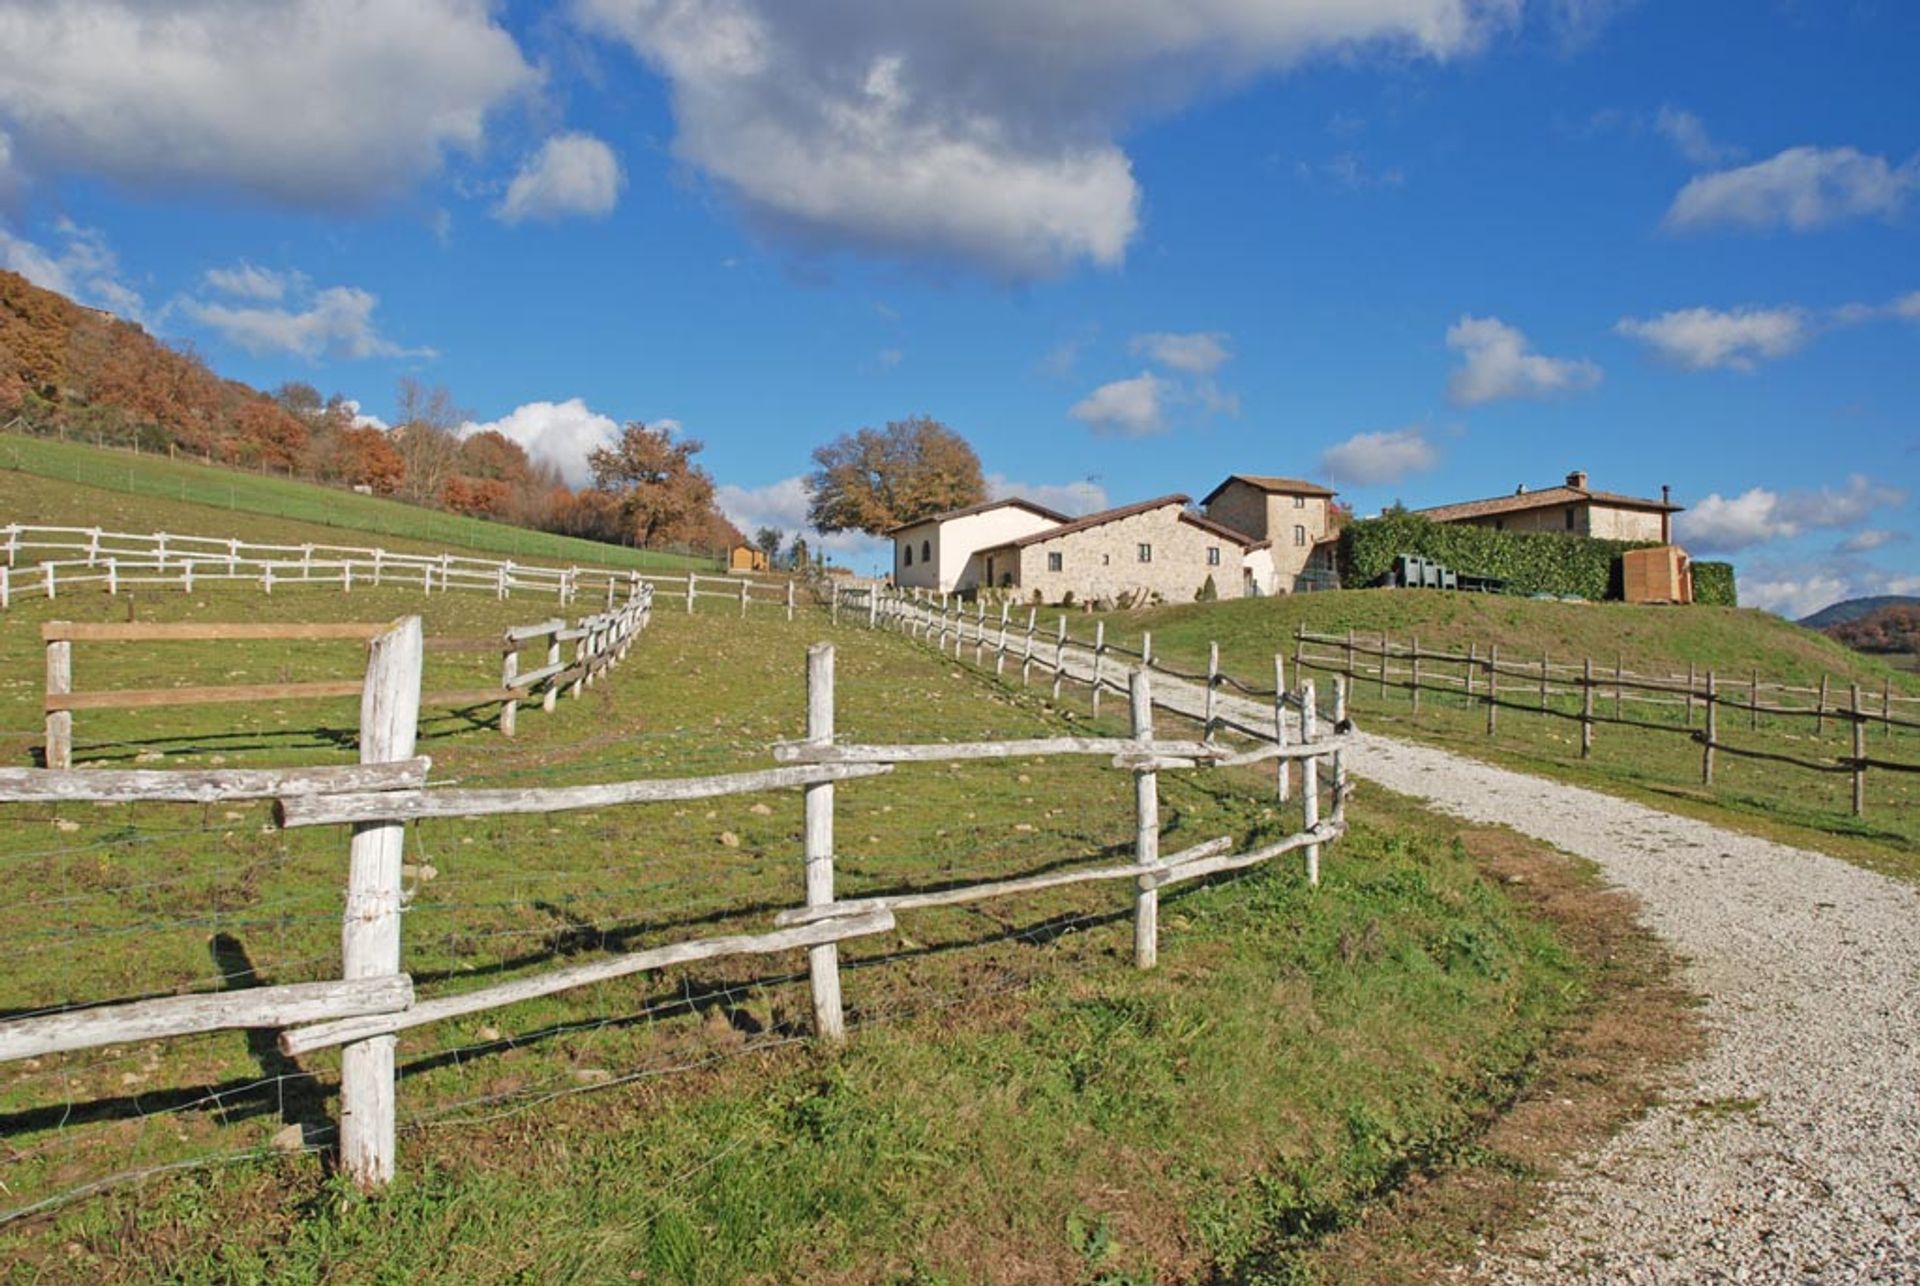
(1713, 585)
(1530, 563)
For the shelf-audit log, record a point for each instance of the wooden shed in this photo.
(746, 558)
(1661, 574)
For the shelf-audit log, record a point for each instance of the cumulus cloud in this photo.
(985, 132)
(1801, 189)
(1132, 408)
(782, 505)
(249, 282)
(1689, 137)
(1371, 459)
(1865, 542)
(1795, 596)
(322, 103)
(335, 322)
(571, 174)
(1070, 498)
(364, 419)
(1195, 352)
(1704, 338)
(1500, 365)
(1722, 524)
(82, 267)
(559, 433)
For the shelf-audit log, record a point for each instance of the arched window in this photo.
(926, 551)
(909, 548)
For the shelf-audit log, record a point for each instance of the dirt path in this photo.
(1790, 1151)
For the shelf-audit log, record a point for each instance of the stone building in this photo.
(940, 553)
(1573, 508)
(1156, 547)
(1291, 515)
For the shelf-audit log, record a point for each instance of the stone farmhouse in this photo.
(1153, 547)
(941, 552)
(1294, 516)
(1572, 508)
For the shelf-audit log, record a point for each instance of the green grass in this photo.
(1660, 767)
(1017, 1101)
(200, 499)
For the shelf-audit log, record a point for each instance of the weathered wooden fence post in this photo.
(1753, 703)
(1546, 668)
(1493, 688)
(1310, 777)
(1692, 676)
(823, 962)
(1386, 650)
(370, 931)
(1000, 651)
(743, 601)
(1146, 833)
(552, 694)
(1619, 688)
(1859, 751)
(1467, 670)
(1284, 777)
(789, 598)
(59, 753)
(1712, 731)
(1586, 708)
(1026, 659)
(1415, 663)
(1099, 651)
(1820, 720)
(1349, 653)
(509, 675)
(1213, 690)
(1060, 657)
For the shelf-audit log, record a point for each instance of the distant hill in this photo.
(1890, 629)
(1853, 609)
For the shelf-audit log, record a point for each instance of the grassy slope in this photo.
(1019, 1103)
(1657, 767)
(210, 497)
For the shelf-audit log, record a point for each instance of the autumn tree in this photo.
(877, 479)
(663, 495)
(426, 433)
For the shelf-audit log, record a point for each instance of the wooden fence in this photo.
(46, 561)
(1698, 703)
(600, 641)
(374, 1000)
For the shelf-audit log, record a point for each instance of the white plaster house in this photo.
(1292, 515)
(940, 553)
(1155, 547)
(1573, 508)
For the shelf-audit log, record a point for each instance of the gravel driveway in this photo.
(1790, 1151)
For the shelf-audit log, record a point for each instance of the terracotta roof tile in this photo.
(1271, 485)
(967, 512)
(1544, 498)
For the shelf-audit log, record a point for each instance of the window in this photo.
(909, 548)
(1106, 560)
(1569, 520)
(926, 551)
(1299, 502)
(1299, 535)
(1055, 562)
(1146, 553)
(1499, 524)
(989, 571)
(1213, 555)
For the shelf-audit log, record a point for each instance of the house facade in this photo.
(940, 553)
(1290, 514)
(1573, 508)
(1153, 547)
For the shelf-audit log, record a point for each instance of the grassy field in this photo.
(1018, 1103)
(205, 499)
(1660, 767)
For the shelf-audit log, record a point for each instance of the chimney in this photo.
(1666, 515)
(1577, 479)
(1520, 490)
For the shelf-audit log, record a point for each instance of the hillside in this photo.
(64, 483)
(1853, 609)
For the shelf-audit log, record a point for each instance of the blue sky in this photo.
(1422, 249)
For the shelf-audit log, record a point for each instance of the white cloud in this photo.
(335, 322)
(1907, 306)
(559, 433)
(1371, 459)
(1802, 188)
(12, 181)
(250, 282)
(1200, 352)
(363, 419)
(1794, 597)
(1865, 542)
(1719, 524)
(571, 174)
(1070, 498)
(324, 103)
(1499, 365)
(84, 268)
(783, 505)
(1689, 137)
(1704, 338)
(985, 131)
(1125, 408)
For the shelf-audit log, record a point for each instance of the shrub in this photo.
(1530, 563)
(1713, 585)
(1208, 591)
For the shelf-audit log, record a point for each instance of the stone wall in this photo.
(1104, 562)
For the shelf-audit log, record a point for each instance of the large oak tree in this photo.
(879, 478)
(663, 496)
